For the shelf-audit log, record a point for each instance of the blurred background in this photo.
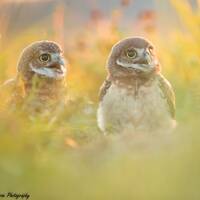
(69, 161)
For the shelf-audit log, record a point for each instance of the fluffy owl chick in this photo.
(135, 97)
(41, 71)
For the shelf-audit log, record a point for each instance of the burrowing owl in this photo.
(41, 71)
(135, 97)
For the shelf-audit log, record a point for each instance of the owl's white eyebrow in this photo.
(55, 54)
(140, 51)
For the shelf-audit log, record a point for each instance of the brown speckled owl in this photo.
(41, 72)
(135, 97)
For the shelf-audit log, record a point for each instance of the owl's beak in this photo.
(57, 62)
(145, 59)
(61, 61)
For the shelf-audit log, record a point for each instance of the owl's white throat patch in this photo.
(139, 67)
(49, 72)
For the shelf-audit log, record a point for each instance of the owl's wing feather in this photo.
(11, 92)
(168, 93)
(106, 85)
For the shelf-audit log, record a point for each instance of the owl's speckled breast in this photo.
(143, 109)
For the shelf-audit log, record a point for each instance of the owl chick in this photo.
(41, 72)
(135, 97)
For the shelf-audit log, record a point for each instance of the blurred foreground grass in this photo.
(72, 160)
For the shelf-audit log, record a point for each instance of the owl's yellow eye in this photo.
(131, 53)
(45, 57)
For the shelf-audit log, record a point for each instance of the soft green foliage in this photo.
(72, 160)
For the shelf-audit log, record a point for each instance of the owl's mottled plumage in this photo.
(135, 97)
(40, 82)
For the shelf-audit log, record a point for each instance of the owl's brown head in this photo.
(133, 57)
(43, 59)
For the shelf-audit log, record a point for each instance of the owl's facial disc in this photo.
(50, 66)
(137, 59)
